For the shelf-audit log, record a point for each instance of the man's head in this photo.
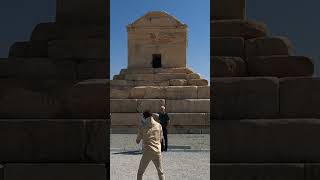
(146, 114)
(163, 109)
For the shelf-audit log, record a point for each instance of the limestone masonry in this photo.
(157, 75)
(265, 102)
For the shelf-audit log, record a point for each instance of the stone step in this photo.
(155, 70)
(280, 66)
(176, 119)
(245, 97)
(228, 9)
(227, 46)
(171, 130)
(262, 171)
(54, 140)
(222, 66)
(157, 92)
(153, 105)
(266, 140)
(160, 76)
(268, 46)
(238, 28)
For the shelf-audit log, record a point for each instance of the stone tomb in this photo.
(157, 75)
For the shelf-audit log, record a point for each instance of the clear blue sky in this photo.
(196, 14)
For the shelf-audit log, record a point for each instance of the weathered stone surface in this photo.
(197, 82)
(299, 97)
(203, 92)
(268, 46)
(53, 140)
(238, 28)
(92, 69)
(193, 76)
(44, 32)
(266, 140)
(151, 35)
(227, 46)
(181, 92)
(280, 66)
(78, 48)
(189, 119)
(29, 49)
(93, 12)
(151, 83)
(123, 105)
(147, 92)
(168, 76)
(228, 9)
(251, 97)
(259, 171)
(178, 82)
(24, 68)
(188, 106)
(89, 99)
(228, 67)
(114, 83)
(125, 119)
(119, 93)
(139, 77)
(55, 171)
(152, 105)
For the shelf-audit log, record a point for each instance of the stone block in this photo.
(169, 76)
(137, 71)
(266, 140)
(268, 46)
(203, 92)
(227, 46)
(197, 82)
(93, 69)
(188, 106)
(125, 119)
(54, 140)
(151, 83)
(228, 9)
(228, 67)
(139, 77)
(178, 82)
(299, 97)
(119, 93)
(280, 66)
(193, 76)
(249, 97)
(89, 99)
(29, 49)
(152, 105)
(44, 32)
(115, 83)
(182, 70)
(238, 28)
(147, 92)
(258, 171)
(78, 48)
(55, 171)
(189, 119)
(181, 92)
(123, 105)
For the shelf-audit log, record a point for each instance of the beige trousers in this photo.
(145, 160)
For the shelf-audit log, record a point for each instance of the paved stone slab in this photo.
(266, 140)
(238, 28)
(228, 67)
(188, 106)
(228, 9)
(299, 97)
(89, 99)
(55, 171)
(247, 97)
(53, 140)
(227, 46)
(280, 66)
(258, 171)
(268, 46)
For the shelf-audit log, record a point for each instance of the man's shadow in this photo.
(136, 152)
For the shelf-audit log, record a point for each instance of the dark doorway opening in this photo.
(156, 61)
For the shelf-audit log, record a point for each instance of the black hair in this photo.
(146, 114)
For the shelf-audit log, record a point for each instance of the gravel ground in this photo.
(194, 141)
(177, 165)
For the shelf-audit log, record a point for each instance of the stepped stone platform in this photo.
(54, 104)
(264, 111)
(143, 86)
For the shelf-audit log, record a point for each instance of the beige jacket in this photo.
(151, 134)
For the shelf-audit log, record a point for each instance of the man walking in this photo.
(151, 133)
(164, 121)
